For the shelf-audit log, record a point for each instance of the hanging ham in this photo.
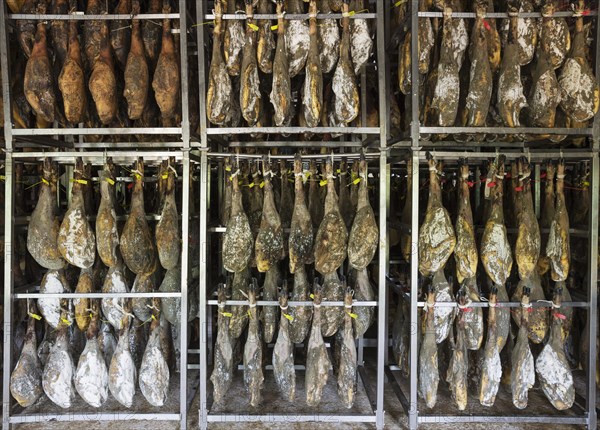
(151, 33)
(57, 379)
(481, 78)
(122, 372)
(301, 315)
(580, 89)
(283, 352)
(38, 83)
(168, 237)
(26, 378)
(91, 376)
(222, 373)
(266, 39)
(332, 236)
(429, 377)
(103, 81)
(281, 90)
(107, 236)
(345, 88)
(120, 31)
(523, 371)
(76, 239)
(234, 40)
(269, 241)
(491, 371)
(137, 246)
(555, 38)
(312, 90)
(42, 234)
(136, 71)
(345, 357)
(328, 36)
(219, 94)
(250, 96)
(71, 80)
(436, 235)
(154, 372)
(317, 359)
(167, 78)
(253, 352)
(364, 235)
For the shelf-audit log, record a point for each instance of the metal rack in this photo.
(64, 145)
(451, 151)
(213, 139)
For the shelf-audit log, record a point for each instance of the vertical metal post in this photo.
(414, 260)
(204, 169)
(183, 51)
(5, 66)
(593, 259)
(382, 341)
(414, 288)
(200, 12)
(8, 286)
(185, 220)
(383, 14)
(593, 293)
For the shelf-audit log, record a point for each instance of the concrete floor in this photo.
(236, 400)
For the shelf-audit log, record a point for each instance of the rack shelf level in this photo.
(507, 130)
(291, 130)
(94, 295)
(94, 131)
(83, 17)
(498, 15)
(92, 416)
(290, 303)
(290, 16)
(291, 418)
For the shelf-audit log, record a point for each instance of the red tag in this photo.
(543, 175)
(486, 25)
(491, 184)
(467, 309)
(585, 13)
(561, 316)
(517, 189)
(529, 309)
(470, 184)
(130, 185)
(508, 175)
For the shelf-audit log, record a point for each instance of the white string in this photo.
(252, 305)
(317, 305)
(173, 169)
(233, 175)
(561, 176)
(284, 308)
(526, 305)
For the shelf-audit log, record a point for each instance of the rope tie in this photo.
(284, 308)
(561, 176)
(465, 306)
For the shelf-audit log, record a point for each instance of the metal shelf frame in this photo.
(212, 140)
(413, 148)
(17, 139)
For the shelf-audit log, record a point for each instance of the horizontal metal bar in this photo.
(321, 417)
(93, 295)
(336, 156)
(97, 131)
(134, 155)
(93, 416)
(496, 15)
(505, 130)
(533, 155)
(291, 130)
(290, 303)
(542, 419)
(81, 16)
(291, 16)
(323, 144)
(128, 145)
(507, 304)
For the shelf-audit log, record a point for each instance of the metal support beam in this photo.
(8, 284)
(204, 171)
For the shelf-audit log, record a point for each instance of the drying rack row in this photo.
(11, 133)
(405, 388)
(180, 386)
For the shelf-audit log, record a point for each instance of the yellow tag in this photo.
(152, 317)
(35, 316)
(312, 296)
(110, 181)
(165, 175)
(227, 314)
(251, 185)
(137, 176)
(253, 26)
(323, 182)
(91, 316)
(291, 180)
(2, 177)
(228, 169)
(338, 171)
(586, 184)
(44, 181)
(399, 2)
(351, 13)
(352, 315)
(79, 181)
(249, 314)
(66, 321)
(356, 181)
(307, 174)
(289, 317)
(262, 184)
(274, 27)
